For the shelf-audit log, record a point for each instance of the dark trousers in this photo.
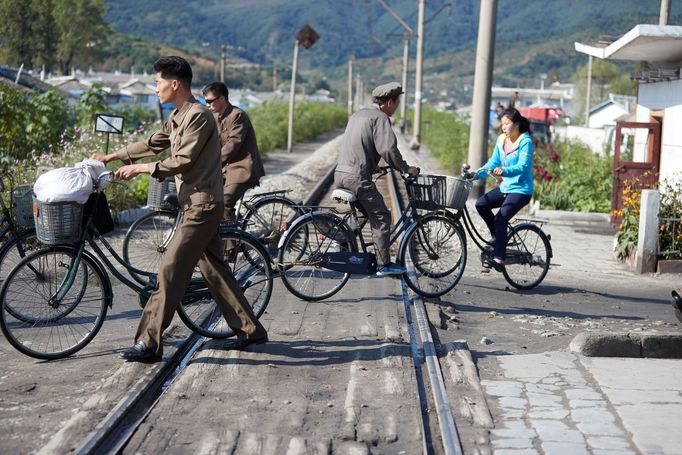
(196, 242)
(509, 205)
(372, 202)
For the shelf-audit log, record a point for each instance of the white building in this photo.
(659, 99)
(607, 112)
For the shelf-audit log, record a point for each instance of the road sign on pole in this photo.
(306, 37)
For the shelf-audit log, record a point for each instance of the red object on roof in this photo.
(542, 113)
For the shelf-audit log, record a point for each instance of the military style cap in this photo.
(389, 90)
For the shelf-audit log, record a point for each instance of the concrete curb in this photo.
(638, 345)
(563, 215)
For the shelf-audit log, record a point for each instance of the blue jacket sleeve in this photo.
(494, 161)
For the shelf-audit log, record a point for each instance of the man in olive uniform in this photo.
(368, 138)
(242, 164)
(192, 135)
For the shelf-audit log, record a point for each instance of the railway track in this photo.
(116, 430)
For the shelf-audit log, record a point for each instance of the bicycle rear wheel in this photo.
(301, 260)
(147, 240)
(268, 218)
(528, 255)
(436, 247)
(16, 248)
(253, 272)
(54, 328)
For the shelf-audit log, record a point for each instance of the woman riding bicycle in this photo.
(512, 160)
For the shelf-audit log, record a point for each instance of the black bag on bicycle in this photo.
(97, 203)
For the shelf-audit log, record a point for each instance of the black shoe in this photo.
(241, 342)
(139, 353)
(677, 304)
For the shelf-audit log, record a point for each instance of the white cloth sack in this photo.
(70, 184)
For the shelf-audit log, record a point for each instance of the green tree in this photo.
(54, 33)
(15, 39)
(607, 78)
(81, 27)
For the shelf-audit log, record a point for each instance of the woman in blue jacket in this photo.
(512, 160)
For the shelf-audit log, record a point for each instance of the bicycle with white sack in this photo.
(55, 300)
(529, 250)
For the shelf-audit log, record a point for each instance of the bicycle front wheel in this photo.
(16, 248)
(147, 240)
(528, 255)
(251, 268)
(268, 218)
(51, 327)
(302, 259)
(436, 246)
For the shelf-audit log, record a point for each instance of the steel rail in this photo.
(114, 431)
(427, 353)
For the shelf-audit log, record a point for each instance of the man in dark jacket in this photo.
(242, 165)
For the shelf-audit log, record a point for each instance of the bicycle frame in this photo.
(92, 238)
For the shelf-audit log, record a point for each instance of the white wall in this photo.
(665, 96)
(594, 138)
(606, 116)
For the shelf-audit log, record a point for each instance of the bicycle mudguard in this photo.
(351, 262)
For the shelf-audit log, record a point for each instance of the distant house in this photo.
(138, 92)
(606, 114)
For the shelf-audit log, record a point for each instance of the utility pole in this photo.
(403, 105)
(222, 63)
(665, 12)
(307, 37)
(480, 109)
(417, 127)
(589, 91)
(292, 96)
(350, 86)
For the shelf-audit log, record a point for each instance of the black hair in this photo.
(383, 99)
(516, 117)
(217, 88)
(174, 67)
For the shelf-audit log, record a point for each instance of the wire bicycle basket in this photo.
(158, 190)
(427, 192)
(22, 205)
(457, 192)
(57, 222)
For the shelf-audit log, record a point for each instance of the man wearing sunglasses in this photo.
(241, 161)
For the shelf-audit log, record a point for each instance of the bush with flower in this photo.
(569, 176)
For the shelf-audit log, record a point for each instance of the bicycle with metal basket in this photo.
(529, 250)
(265, 215)
(324, 247)
(17, 230)
(55, 300)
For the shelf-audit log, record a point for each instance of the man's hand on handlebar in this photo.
(413, 171)
(131, 170)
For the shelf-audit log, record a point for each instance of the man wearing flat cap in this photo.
(368, 138)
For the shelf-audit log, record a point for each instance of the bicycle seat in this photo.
(343, 195)
(172, 200)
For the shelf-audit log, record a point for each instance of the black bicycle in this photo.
(529, 250)
(324, 247)
(264, 215)
(55, 300)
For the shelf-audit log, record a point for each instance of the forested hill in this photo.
(533, 36)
